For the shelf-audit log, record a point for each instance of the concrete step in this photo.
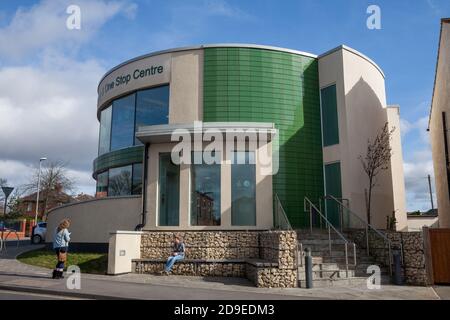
(312, 242)
(329, 274)
(317, 236)
(342, 282)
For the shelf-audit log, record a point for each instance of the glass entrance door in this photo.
(169, 191)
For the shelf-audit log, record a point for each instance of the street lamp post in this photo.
(38, 188)
(7, 191)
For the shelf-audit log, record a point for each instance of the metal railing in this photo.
(3, 238)
(329, 226)
(346, 221)
(282, 223)
(281, 220)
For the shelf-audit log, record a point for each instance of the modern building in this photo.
(439, 124)
(313, 116)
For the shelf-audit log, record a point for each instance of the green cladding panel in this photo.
(249, 84)
(329, 116)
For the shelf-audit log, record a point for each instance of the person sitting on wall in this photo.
(177, 254)
(61, 240)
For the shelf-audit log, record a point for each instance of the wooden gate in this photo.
(440, 255)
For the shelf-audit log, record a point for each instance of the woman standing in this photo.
(61, 240)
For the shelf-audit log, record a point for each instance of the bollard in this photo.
(397, 269)
(308, 269)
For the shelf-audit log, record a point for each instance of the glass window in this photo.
(169, 191)
(333, 187)
(102, 184)
(205, 194)
(243, 189)
(137, 179)
(330, 127)
(122, 127)
(120, 181)
(105, 131)
(152, 107)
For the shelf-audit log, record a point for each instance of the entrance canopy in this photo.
(245, 130)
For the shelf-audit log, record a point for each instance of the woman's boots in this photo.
(57, 274)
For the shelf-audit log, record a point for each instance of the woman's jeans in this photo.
(60, 264)
(171, 261)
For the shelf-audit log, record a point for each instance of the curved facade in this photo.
(312, 102)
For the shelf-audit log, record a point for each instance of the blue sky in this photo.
(62, 67)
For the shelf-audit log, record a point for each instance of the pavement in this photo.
(22, 281)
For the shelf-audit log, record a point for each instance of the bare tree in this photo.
(54, 182)
(376, 160)
(3, 182)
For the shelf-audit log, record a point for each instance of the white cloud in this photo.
(44, 25)
(52, 112)
(405, 127)
(202, 15)
(416, 172)
(48, 104)
(434, 7)
(223, 8)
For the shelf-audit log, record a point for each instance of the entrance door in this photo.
(440, 255)
(169, 191)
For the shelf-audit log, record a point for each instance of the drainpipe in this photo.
(144, 190)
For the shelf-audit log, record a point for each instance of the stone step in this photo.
(326, 248)
(321, 236)
(342, 282)
(329, 274)
(309, 242)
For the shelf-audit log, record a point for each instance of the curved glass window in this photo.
(102, 185)
(137, 179)
(120, 121)
(105, 131)
(122, 126)
(152, 107)
(119, 183)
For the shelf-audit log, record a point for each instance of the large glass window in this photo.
(122, 128)
(119, 122)
(169, 191)
(120, 181)
(152, 107)
(105, 131)
(243, 189)
(137, 179)
(330, 127)
(102, 184)
(205, 194)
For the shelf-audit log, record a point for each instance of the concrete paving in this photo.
(443, 292)
(15, 275)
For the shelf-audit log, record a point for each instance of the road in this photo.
(12, 295)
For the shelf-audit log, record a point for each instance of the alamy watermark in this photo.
(73, 21)
(73, 281)
(213, 145)
(374, 20)
(374, 280)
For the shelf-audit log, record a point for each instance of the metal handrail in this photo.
(367, 227)
(279, 208)
(3, 242)
(330, 226)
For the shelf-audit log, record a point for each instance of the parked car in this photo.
(38, 234)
